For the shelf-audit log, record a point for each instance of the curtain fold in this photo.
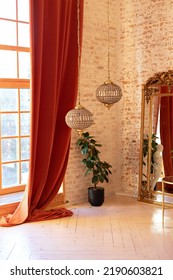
(166, 130)
(54, 78)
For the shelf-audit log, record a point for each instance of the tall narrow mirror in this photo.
(156, 136)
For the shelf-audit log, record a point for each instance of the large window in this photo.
(14, 95)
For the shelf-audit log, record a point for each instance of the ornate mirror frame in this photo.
(156, 87)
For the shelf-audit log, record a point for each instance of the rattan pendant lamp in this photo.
(108, 93)
(79, 118)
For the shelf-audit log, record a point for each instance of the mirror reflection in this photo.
(156, 137)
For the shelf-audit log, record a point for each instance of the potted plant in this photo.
(154, 145)
(100, 170)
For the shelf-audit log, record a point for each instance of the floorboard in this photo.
(121, 229)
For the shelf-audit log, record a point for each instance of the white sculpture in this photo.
(158, 166)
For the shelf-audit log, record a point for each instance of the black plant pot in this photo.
(96, 196)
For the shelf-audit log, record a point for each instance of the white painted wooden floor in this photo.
(122, 228)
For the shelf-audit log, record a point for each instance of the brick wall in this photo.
(141, 44)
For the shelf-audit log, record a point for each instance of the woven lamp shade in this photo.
(108, 93)
(79, 118)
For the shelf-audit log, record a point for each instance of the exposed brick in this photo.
(141, 44)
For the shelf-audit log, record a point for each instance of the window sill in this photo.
(9, 202)
(11, 198)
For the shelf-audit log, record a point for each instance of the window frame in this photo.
(16, 83)
(19, 83)
(13, 83)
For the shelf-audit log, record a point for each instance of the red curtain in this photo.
(54, 76)
(166, 130)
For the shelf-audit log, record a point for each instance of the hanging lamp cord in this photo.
(108, 39)
(79, 47)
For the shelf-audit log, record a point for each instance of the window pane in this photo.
(24, 172)
(24, 124)
(7, 33)
(8, 9)
(24, 65)
(23, 10)
(9, 125)
(10, 174)
(25, 148)
(10, 149)
(23, 30)
(8, 64)
(14, 102)
(25, 99)
(8, 100)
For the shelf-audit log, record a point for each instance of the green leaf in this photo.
(92, 141)
(84, 161)
(106, 179)
(92, 158)
(106, 172)
(95, 179)
(85, 144)
(98, 145)
(89, 164)
(85, 134)
(87, 172)
(79, 142)
(84, 151)
(101, 179)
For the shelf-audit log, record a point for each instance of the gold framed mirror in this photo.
(156, 136)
